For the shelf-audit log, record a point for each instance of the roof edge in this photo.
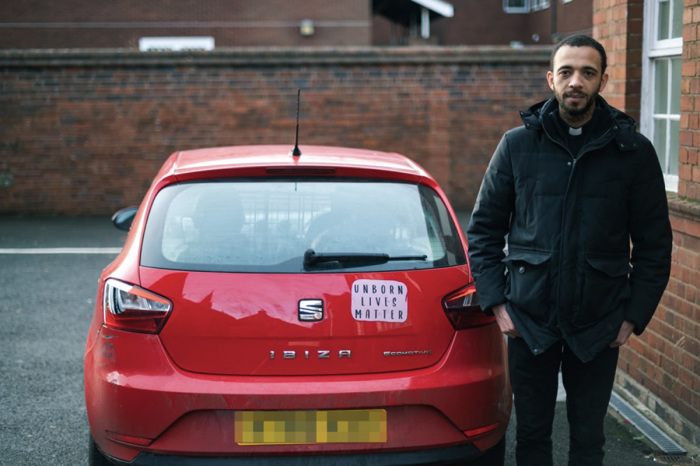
(437, 6)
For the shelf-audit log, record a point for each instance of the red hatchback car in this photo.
(294, 309)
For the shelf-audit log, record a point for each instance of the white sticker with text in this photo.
(379, 301)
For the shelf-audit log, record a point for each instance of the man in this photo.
(579, 196)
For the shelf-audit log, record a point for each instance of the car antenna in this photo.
(296, 152)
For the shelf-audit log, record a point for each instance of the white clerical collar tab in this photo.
(575, 131)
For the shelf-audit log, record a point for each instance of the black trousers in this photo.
(535, 383)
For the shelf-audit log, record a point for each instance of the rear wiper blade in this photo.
(352, 259)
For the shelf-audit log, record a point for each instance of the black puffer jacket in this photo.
(569, 221)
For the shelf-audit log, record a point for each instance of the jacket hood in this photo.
(623, 128)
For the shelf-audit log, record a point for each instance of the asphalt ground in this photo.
(49, 268)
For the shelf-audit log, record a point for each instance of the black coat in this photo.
(568, 270)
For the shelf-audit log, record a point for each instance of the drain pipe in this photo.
(554, 37)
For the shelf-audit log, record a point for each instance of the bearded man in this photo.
(570, 245)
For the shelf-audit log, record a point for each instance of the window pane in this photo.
(676, 86)
(660, 142)
(516, 6)
(267, 226)
(661, 86)
(677, 19)
(674, 133)
(661, 105)
(664, 19)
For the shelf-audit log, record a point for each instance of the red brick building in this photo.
(46, 24)
(654, 64)
(504, 22)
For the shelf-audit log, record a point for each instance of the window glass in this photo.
(661, 87)
(677, 23)
(666, 114)
(660, 139)
(676, 87)
(267, 226)
(664, 20)
(673, 146)
(666, 117)
(661, 82)
(525, 6)
(669, 20)
(516, 6)
(539, 4)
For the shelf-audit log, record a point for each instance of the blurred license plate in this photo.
(304, 427)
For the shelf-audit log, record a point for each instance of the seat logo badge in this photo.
(311, 310)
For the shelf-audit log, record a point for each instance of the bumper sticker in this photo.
(379, 301)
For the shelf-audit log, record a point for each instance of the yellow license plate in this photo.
(305, 427)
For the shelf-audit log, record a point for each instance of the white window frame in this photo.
(537, 5)
(516, 10)
(528, 6)
(653, 50)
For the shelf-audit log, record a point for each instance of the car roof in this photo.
(277, 160)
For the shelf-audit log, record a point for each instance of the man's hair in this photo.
(581, 40)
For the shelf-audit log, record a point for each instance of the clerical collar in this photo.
(569, 131)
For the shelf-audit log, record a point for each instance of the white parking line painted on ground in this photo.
(60, 250)
(561, 392)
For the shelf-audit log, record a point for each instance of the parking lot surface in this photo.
(48, 272)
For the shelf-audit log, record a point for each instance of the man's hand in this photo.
(505, 323)
(624, 334)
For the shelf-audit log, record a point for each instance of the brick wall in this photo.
(618, 26)
(689, 169)
(84, 132)
(660, 370)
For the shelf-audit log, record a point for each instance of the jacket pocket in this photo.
(528, 282)
(605, 288)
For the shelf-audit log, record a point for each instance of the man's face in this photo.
(576, 81)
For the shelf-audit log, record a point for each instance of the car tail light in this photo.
(128, 440)
(128, 307)
(479, 432)
(463, 310)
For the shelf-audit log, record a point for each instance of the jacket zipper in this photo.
(572, 164)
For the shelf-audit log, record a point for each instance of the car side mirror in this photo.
(123, 218)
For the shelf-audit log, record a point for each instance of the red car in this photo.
(302, 309)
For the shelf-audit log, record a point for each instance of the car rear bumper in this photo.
(451, 455)
(140, 404)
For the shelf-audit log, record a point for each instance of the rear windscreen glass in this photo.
(300, 225)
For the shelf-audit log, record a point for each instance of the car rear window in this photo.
(278, 226)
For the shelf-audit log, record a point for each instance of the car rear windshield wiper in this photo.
(350, 259)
